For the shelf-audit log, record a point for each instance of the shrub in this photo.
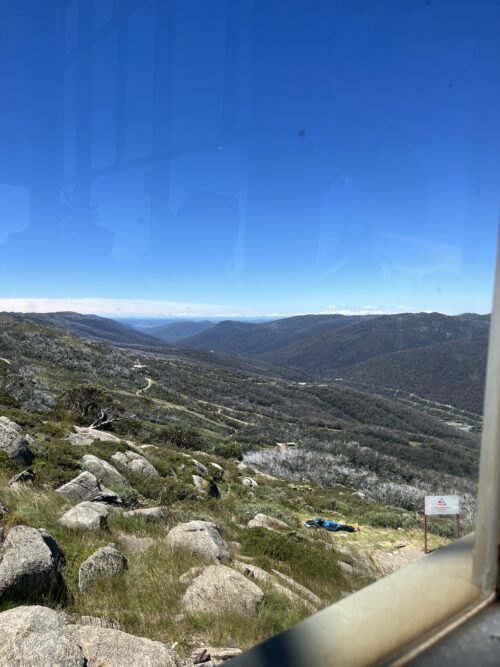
(161, 490)
(104, 449)
(445, 527)
(7, 464)
(392, 520)
(54, 429)
(88, 402)
(302, 559)
(7, 399)
(10, 520)
(56, 462)
(229, 450)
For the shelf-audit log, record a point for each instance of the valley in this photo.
(245, 445)
(437, 357)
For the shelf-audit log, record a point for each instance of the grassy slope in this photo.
(145, 600)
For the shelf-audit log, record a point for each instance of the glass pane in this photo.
(284, 216)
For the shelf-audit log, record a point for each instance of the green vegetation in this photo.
(145, 600)
(449, 373)
(306, 562)
(438, 357)
(351, 456)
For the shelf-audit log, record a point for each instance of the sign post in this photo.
(441, 506)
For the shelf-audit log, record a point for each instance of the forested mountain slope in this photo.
(91, 326)
(382, 351)
(452, 372)
(321, 344)
(226, 405)
(170, 332)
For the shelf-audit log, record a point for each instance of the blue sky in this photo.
(224, 157)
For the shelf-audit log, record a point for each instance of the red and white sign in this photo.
(442, 505)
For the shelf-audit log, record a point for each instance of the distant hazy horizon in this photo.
(158, 310)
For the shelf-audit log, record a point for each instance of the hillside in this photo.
(452, 372)
(95, 328)
(321, 344)
(185, 439)
(225, 403)
(92, 326)
(267, 338)
(326, 346)
(174, 331)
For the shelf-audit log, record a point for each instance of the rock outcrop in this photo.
(135, 462)
(5, 421)
(200, 467)
(207, 487)
(299, 588)
(265, 521)
(30, 565)
(249, 481)
(102, 564)
(39, 636)
(346, 568)
(24, 477)
(104, 472)
(200, 537)
(213, 655)
(86, 487)
(262, 575)
(13, 443)
(86, 515)
(218, 589)
(84, 436)
(148, 513)
(145, 448)
(83, 487)
(34, 635)
(103, 646)
(135, 544)
(200, 484)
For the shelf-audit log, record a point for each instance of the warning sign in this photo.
(446, 505)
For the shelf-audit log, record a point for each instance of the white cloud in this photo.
(159, 308)
(116, 307)
(366, 310)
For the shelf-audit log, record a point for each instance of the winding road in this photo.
(141, 391)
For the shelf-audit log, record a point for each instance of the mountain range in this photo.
(171, 332)
(438, 357)
(171, 439)
(226, 399)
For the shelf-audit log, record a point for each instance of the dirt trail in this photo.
(148, 386)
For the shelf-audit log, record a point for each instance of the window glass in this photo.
(284, 216)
